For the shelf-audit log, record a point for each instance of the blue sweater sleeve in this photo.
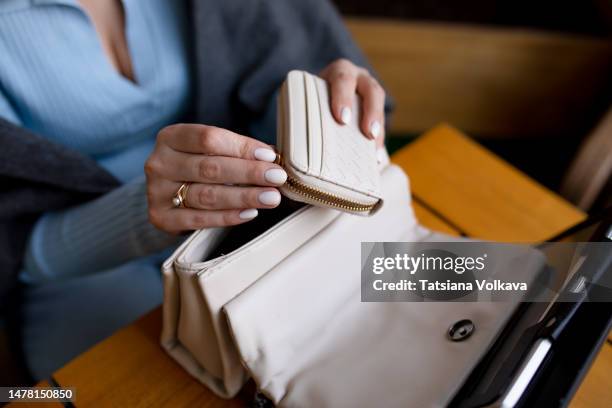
(94, 236)
(98, 235)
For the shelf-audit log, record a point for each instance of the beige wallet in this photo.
(328, 164)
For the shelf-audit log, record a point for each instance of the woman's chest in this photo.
(63, 85)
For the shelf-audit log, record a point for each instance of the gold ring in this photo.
(278, 160)
(180, 198)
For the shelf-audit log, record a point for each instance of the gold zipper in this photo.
(323, 197)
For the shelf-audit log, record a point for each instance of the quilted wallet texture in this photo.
(329, 164)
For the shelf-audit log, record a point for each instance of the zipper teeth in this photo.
(326, 198)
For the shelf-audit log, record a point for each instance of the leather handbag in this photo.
(331, 166)
(285, 309)
(198, 284)
(277, 299)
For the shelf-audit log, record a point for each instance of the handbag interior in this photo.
(239, 235)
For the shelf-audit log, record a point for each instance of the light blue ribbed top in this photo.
(56, 80)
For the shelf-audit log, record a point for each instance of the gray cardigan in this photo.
(241, 49)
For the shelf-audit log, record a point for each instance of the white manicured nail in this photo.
(276, 176)
(346, 115)
(270, 198)
(248, 214)
(264, 154)
(375, 129)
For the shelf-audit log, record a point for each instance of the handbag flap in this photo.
(308, 339)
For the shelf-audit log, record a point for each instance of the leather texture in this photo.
(317, 150)
(285, 309)
(195, 332)
(320, 346)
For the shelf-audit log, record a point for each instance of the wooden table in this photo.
(458, 188)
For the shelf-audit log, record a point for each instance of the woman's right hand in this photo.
(230, 175)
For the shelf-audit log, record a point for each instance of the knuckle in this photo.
(198, 220)
(152, 166)
(255, 172)
(343, 76)
(205, 138)
(208, 138)
(228, 218)
(344, 63)
(209, 169)
(248, 197)
(207, 196)
(244, 148)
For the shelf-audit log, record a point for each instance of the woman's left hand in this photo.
(345, 80)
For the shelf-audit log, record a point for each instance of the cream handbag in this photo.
(329, 165)
(278, 298)
(285, 309)
(197, 287)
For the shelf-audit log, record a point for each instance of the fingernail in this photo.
(264, 154)
(270, 198)
(248, 214)
(276, 176)
(375, 129)
(345, 115)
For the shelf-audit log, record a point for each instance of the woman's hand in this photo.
(346, 79)
(231, 176)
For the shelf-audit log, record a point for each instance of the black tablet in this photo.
(541, 356)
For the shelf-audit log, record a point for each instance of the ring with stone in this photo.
(180, 197)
